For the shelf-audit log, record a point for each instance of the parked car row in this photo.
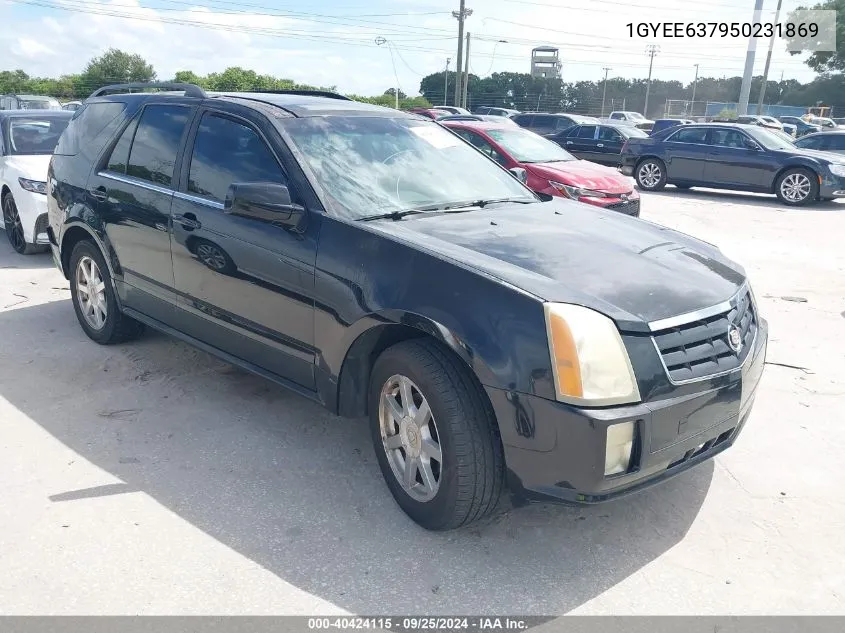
(375, 262)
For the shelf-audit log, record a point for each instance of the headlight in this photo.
(589, 360)
(35, 186)
(576, 192)
(620, 443)
(837, 169)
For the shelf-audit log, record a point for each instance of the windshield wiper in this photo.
(449, 207)
(393, 215)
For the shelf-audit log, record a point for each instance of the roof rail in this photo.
(307, 93)
(191, 90)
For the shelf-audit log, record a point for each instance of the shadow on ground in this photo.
(274, 477)
(737, 197)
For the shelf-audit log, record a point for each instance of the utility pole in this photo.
(745, 89)
(466, 76)
(694, 84)
(461, 15)
(446, 86)
(651, 50)
(768, 62)
(604, 91)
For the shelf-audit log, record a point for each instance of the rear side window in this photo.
(573, 132)
(836, 142)
(616, 115)
(120, 154)
(609, 134)
(690, 135)
(587, 131)
(88, 128)
(544, 122)
(225, 152)
(524, 120)
(153, 153)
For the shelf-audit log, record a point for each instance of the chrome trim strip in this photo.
(131, 180)
(695, 315)
(203, 201)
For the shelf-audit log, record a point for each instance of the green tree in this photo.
(113, 67)
(827, 61)
(390, 92)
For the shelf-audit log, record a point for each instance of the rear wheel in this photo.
(797, 187)
(651, 174)
(14, 228)
(435, 436)
(94, 299)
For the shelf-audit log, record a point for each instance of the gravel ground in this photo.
(150, 478)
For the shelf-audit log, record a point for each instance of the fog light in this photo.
(620, 442)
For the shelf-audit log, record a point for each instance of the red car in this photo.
(550, 168)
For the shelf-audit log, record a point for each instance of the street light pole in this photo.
(604, 91)
(694, 84)
(461, 15)
(748, 73)
(446, 86)
(768, 63)
(651, 50)
(466, 77)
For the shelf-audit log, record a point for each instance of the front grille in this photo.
(631, 207)
(701, 348)
(41, 224)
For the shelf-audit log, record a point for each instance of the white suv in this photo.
(27, 141)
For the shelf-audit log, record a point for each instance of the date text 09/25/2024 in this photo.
(421, 623)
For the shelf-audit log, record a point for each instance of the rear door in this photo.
(584, 143)
(245, 286)
(685, 154)
(134, 191)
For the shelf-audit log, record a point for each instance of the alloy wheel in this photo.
(410, 438)
(796, 187)
(12, 224)
(91, 292)
(211, 256)
(649, 175)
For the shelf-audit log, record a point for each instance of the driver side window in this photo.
(481, 144)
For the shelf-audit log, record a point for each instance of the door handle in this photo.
(599, 144)
(99, 193)
(187, 221)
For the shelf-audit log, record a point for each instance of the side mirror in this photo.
(520, 174)
(749, 144)
(265, 202)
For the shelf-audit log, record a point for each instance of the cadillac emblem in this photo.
(735, 339)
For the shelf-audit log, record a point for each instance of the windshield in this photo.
(35, 135)
(38, 104)
(374, 165)
(769, 138)
(527, 147)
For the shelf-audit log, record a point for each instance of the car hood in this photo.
(831, 157)
(584, 174)
(629, 269)
(33, 167)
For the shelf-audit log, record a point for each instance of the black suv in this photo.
(378, 264)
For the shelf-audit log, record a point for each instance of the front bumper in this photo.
(832, 186)
(32, 209)
(556, 452)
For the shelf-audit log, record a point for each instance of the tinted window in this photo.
(609, 134)
(120, 154)
(727, 138)
(587, 131)
(524, 119)
(572, 132)
(225, 152)
(616, 115)
(35, 135)
(836, 142)
(86, 126)
(156, 142)
(690, 135)
(563, 123)
(482, 144)
(544, 122)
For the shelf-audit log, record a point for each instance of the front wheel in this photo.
(14, 228)
(435, 436)
(798, 186)
(651, 174)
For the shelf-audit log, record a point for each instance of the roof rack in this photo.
(191, 90)
(306, 93)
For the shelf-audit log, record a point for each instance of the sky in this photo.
(332, 42)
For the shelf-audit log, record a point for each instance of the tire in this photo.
(14, 228)
(797, 187)
(101, 320)
(469, 478)
(651, 174)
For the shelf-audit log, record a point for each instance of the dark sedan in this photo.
(665, 124)
(731, 156)
(545, 123)
(823, 141)
(600, 143)
(801, 126)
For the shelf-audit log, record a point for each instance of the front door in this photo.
(244, 286)
(609, 146)
(583, 145)
(133, 192)
(736, 160)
